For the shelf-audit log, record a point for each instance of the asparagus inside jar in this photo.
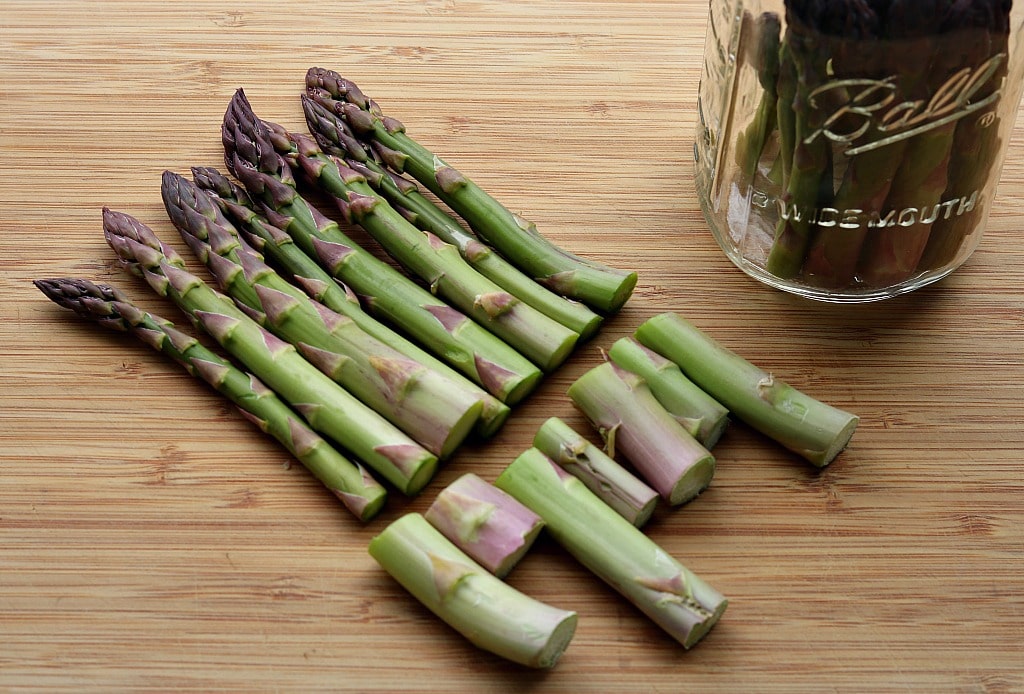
(855, 145)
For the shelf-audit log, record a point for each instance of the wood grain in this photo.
(150, 539)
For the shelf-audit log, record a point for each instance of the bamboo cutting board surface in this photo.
(151, 539)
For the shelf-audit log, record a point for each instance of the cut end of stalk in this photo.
(505, 385)
(696, 480)
(364, 507)
(493, 416)
(416, 465)
(842, 439)
(561, 635)
(461, 429)
(715, 433)
(622, 293)
(702, 628)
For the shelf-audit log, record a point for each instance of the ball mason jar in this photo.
(849, 150)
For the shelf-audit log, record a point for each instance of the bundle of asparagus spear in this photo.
(326, 338)
(876, 134)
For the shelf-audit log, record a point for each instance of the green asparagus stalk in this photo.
(326, 407)
(419, 401)
(609, 481)
(490, 613)
(765, 33)
(810, 166)
(983, 28)
(607, 544)
(631, 420)
(334, 137)
(811, 429)
(485, 523)
(703, 417)
(836, 253)
(980, 32)
(540, 339)
(107, 306)
(385, 291)
(321, 286)
(599, 286)
(891, 254)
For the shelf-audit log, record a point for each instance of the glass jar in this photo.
(849, 150)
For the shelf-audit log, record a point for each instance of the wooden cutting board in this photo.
(151, 539)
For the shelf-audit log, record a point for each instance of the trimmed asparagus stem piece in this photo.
(631, 420)
(485, 523)
(811, 429)
(490, 613)
(597, 285)
(384, 291)
(703, 417)
(420, 402)
(334, 137)
(618, 553)
(236, 204)
(540, 339)
(612, 483)
(107, 306)
(326, 407)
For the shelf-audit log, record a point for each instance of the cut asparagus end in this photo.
(493, 615)
(702, 416)
(613, 549)
(812, 429)
(612, 483)
(485, 523)
(631, 420)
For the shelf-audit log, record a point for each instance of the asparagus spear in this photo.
(320, 285)
(811, 429)
(613, 549)
(981, 30)
(765, 31)
(334, 137)
(485, 523)
(325, 406)
(599, 286)
(833, 255)
(107, 306)
(612, 483)
(420, 402)
(630, 419)
(809, 174)
(540, 339)
(492, 614)
(915, 168)
(386, 292)
(701, 415)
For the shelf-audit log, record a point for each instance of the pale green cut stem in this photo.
(490, 613)
(485, 523)
(702, 416)
(612, 548)
(812, 429)
(632, 421)
(612, 483)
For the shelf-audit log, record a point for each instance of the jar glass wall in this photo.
(850, 150)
